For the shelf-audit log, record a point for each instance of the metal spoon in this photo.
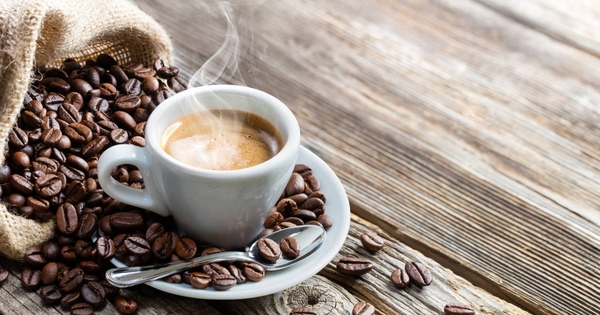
(310, 238)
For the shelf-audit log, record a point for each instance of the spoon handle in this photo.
(129, 276)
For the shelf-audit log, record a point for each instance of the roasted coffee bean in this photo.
(72, 280)
(162, 248)
(34, 107)
(106, 127)
(371, 241)
(269, 250)
(138, 141)
(106, 61)
(16, 200)
(214, 269)
(273, 219)
(69, 299)
(161, 95)
(31, 119)
(67, 219)
(51, 251)
(125, 305)
(132, 87)
(69, 113)
(90, 267)
(100, 116)
(70, 65)
(50, 294)
(140, 115)
(119, 74)
(31, 279)
(5, 173)
(222, 282)
(93, 77)
(295, 185)
(144, 73)
(305, 215)
(303, 170)
(84, 249)
(97, 104)
(176, 278)
(78, 133)
(154, 231)
(20, 184)
(108, 91)
(34, 257)
(49, 273)
(294, 220)
(124, 120)
(72, 173)
(75, 192)
(363, 308)
(178, 84)
(87, 225)
(290, 247)
(135, 176)
(17, 138)
(325, 221)
(94, 147)
(354, 266)
(133, 260)
(106, 248)
(458, 309)
(32, 94)
(57, 85)
(50, 137)
(82, 309)
(299, 199)
(139, 129)
(49, 122)
(132, 67)
(127, 221)
(119, 136)
(51, 103)
(48, 185)
(74, 99)
(315, 205)
(303, 310)
(150, 85)
(186, 248)
(137, 245)
(55, 73)
(64, 143)
(283, 225)
(167, 72)
(26, 211)
(253, 271)
(236, 273)
(418, 273)
(39, 205)
(127, 103)
(199, 280)
(286, 207)
(81, 86)
(400, 278)
(67, 253)
(78, 163)
(210, 250)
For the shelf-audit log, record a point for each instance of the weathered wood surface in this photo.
(328, 293)
(460, 130)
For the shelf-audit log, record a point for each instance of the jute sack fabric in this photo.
(46, 32)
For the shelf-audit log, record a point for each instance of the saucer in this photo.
(337, 207)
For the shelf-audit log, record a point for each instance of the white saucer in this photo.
(337, 207)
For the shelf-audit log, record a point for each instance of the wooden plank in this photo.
(462, 133)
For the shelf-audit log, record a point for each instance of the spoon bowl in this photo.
(310, 238)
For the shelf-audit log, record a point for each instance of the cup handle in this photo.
(146, 198)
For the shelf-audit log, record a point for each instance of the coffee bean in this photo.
(144, 73)
(57, 85)
(176, 278)
(71, 173)
(55, 73)
(106, 127)
(31, 119)
(81, 86)
(299, 199)
(39, 205)
(49, 273)
(211, 250)
(87, 225)
(127, 221)
(5, 173)
(94, 147)
(20, 184)
(303, 310)
(84, 249)
(93, 77)
(69, 113)
(132, 87)
(50, 137)
(82, 309)
(294, 220)
(75, 191)
(286, 207)
(325, 221)
(178, 84)
(214, 269)
(51, 251)
(315, 205)
(67, 219)
(283, 225)
(167, 72)
(400, 278)
(273, 219)
(150, 85)
(127, 103)
(34, 257)
(269, 250)
(100, 116)
(418, 273)
(186, 248)
(17, 138)
(124, 120)
(371, 241)
(16, 200)
(106, 248)
(31, 279)
(125, 305)
(132, 67)
(97, 104)
(222, 282)
(236, 273)
(72, 280)
(108, 91)
(295, 185)
(50, 294)
(69, 299)
(78, 133)
(161, 95)
(74, 99)
(67, 253)
(106, 61)
(137, 245)
(49, 122)
(119, 136)
(139, 129)
(354, 266)
(305, 215)
(253, 271)
(363, 308)
(138, 141)
(162, 248)
(458, 309)
(290, 247)
(48, 185)
(199, 280)
(90, 266)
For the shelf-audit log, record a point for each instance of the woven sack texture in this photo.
(44, 32)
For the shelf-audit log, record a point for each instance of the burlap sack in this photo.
(45, 32)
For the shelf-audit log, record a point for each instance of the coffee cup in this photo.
(224, 208)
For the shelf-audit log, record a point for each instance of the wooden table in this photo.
(465, 132)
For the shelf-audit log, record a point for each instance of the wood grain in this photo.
(459, 131)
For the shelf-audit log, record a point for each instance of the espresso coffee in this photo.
(222, 140)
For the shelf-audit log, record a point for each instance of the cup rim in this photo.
(291, 145)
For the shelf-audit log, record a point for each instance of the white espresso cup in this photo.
(224, 208)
